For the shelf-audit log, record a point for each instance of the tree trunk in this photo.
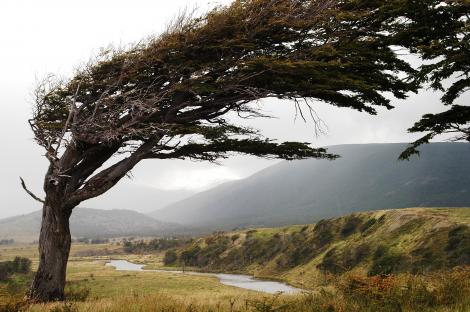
(54, 248)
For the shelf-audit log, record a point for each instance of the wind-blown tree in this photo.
(440, 33)
(169, 98)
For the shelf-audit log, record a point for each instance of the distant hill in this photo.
(90, 223)
(415, 240)
(366, 177)
(143, 198)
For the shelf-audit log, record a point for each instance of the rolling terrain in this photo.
(413, 240)
(91, 223)
(334, 261)
(366, 177)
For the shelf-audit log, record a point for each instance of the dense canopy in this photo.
(167, 97)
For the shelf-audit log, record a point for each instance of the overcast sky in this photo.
(54, 36)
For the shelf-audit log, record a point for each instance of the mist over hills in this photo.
(91, 223)
(140, 198)
(366, 177)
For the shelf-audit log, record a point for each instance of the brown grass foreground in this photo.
(443, 291)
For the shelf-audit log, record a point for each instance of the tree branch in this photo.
(29, 192)
(107, 178)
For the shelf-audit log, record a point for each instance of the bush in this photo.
(331, 262)
(350, 226)
(157, 244)
(170, 257)
(234, 237)
(366, 226)
(385, 262)
(18, 265)
(458, 246)
(190, 256)
(323, 232)
(6, 241)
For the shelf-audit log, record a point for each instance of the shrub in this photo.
(323, 232)
(6, 241)
(234, 237)
(458, 246)
(350, 225)
(385, 262)
(355, 255)
(331, 262)
(18, 265)
(189, 256)
(250, 233)
(367, 225)
(170, 257)
(157, 244)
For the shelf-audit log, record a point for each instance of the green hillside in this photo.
(415, 240)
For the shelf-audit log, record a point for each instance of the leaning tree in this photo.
(168, 98)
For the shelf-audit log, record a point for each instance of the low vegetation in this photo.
(444, 291)
(390, 261)
(371, 243)
(6, 241)
(18, 265)
(153, 245)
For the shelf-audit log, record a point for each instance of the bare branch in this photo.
(69, 118)
(29, 192)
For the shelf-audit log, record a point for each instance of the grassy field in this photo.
(104, 286)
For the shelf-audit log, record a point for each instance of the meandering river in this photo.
(236, 280)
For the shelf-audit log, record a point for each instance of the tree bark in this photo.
(54, 248)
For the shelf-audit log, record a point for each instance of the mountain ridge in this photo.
(366, 177)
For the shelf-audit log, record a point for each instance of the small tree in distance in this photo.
(167, 98)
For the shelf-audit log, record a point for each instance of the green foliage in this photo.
(339, 261)
(234, 237)
(203, 68)
(441, 34)
(154, 245)
(386, 262)
(392, 242)
(331, 262)
(458, 246)
(189, 256)
(350, 226)
(170, 257)
(87, 240)
(364, 228)
(323, 232)
(18, 265)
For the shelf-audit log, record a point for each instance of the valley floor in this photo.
(92, 286)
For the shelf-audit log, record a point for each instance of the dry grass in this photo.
(438, 292)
